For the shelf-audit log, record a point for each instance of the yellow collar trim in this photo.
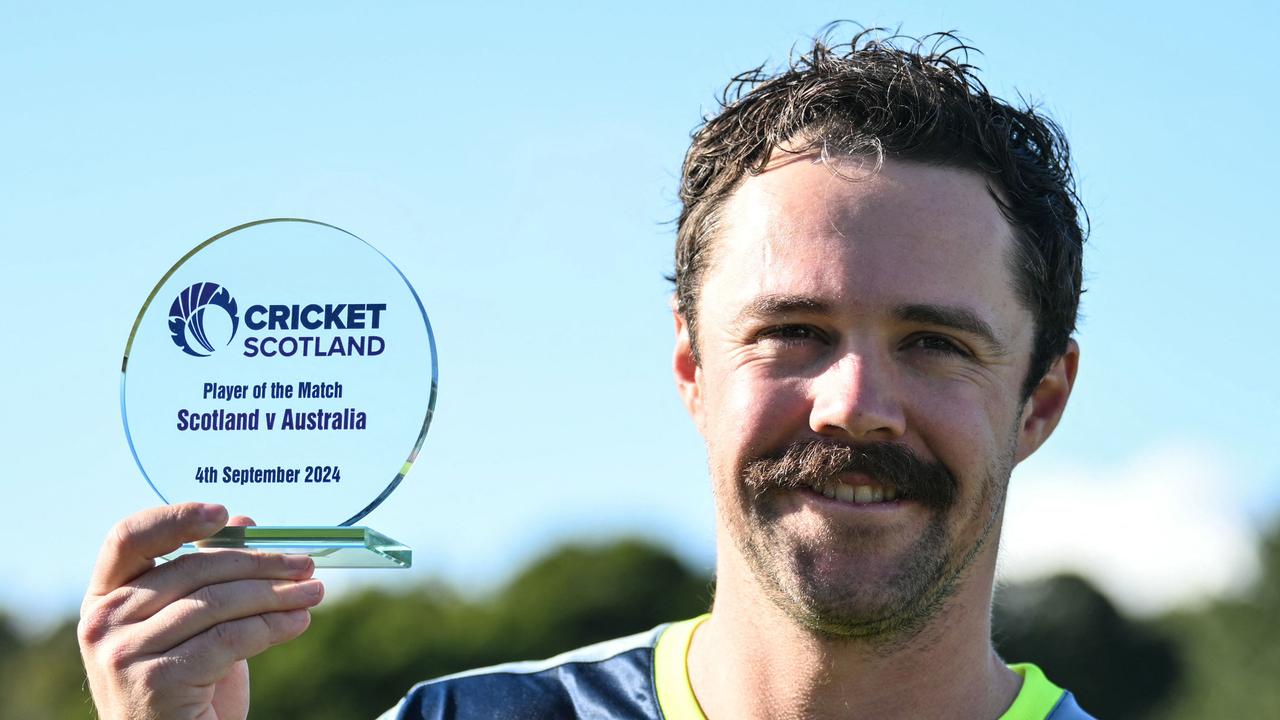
(676, 700)
(1036, 699)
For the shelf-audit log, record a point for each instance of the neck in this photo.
(949, 669)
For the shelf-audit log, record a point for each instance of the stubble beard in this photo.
(887, 612)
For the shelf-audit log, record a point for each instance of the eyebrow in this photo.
(774, 305)
(955, 317)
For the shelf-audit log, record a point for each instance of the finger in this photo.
(237, 522)
(143, 597)
(204, 659)
(214, 605)
(135, 542)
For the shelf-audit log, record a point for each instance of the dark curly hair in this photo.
(906, 98)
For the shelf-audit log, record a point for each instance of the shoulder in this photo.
(612, 679)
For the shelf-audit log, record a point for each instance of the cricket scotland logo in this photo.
(197, 331)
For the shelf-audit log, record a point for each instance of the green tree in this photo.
(583, 594)
(1233, 650)
(43, 679)
(1115, 666)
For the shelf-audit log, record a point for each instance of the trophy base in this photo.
(332, 547)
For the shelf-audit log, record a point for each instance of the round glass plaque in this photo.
(285, 369)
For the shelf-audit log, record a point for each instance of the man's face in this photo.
(876, 314)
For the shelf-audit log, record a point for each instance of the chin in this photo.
(863, 613)
(837, 589)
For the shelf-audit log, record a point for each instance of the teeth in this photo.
(862, 494)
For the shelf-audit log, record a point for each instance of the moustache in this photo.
(811, 463)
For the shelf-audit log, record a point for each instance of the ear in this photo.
(1043, 410)
(688, 374)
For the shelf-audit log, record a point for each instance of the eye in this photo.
(938, 345)
(787, 334)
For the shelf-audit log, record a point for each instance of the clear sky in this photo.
(519, 163)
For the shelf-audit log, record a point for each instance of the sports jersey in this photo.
(641, 677)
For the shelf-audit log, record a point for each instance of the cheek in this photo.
(749, 415)
(961, 428)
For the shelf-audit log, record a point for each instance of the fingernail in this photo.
(313, 588)
(297, 562)
(213, 514)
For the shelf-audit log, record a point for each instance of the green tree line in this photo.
(365, 649)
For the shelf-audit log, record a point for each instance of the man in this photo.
(877, 273)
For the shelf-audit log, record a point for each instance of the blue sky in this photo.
(519, 163)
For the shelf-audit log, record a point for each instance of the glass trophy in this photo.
(285, 369)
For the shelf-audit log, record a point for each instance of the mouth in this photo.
(857, 493)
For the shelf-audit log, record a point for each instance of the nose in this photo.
(857, 398)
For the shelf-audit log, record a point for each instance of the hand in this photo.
(171, 641)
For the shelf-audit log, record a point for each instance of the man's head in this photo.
(865, 283)
(875, 100)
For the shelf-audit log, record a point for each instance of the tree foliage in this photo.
(43, 678)
(1116, 667)
(1232, 649)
